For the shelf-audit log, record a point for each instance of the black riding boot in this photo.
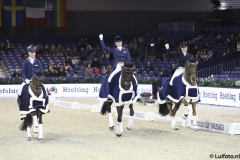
(109, 99)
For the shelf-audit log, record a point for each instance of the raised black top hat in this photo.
(183, 44)
(118, 39)
(31, 48)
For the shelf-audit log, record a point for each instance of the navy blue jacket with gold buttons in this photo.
(28, 69)
(120, 56)
(181, 58)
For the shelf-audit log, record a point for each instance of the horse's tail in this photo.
(163, 109)
(27, 122)
(104, 108)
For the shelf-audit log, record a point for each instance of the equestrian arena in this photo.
(82, 134)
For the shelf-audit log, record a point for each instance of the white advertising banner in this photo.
(220, 96)
(68, 90)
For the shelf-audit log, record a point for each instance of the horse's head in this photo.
(127, 73)
(191, 71)
(36, 84)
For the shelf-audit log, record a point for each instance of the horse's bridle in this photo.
(128, 71)
(39, 79)
(189, 74)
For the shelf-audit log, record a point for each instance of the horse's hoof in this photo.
(119, 135)
(175, 128)
(29, 139)
(195, 129)
(111, 128)
(40, 139)
(129, 128)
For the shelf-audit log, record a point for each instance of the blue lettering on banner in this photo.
(75, 89)
(211, 95)
(8, 90)
(96, 89)
(228, 96)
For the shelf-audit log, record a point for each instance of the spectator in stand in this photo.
(206, 47)
(2, 47)
(53, 50)
(219, 39)
(104, 55)
(160, 48)
(89, 70)
(68, 61)
(55, 73)
(142, 55)
(65, 67)
(52, 73)
(82, 54)
(59, 50)
(109, 68)
(96, 71)
(104, 70)
(80, 45)
(46, 73)
(134, 52)
(62, 72)
(75, 61)
(173, 66)
(195, 50)
(206, 32)
(224, 54)
(126, 45)
(68, 53)
(232, 44)
(58, 67)
(152, 47)
(38, 51)
(212, 32)
(149, 67)
(46, 50)
(8, 48)
(211, 54)
(238, 45)
(50, 65)
(75, 52)
(88, 47)
(95, 63)
(16, 74)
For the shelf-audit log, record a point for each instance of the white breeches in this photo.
(177, 72)
(117, 69)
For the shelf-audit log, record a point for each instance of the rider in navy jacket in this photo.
(30, 65)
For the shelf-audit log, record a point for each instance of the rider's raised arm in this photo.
(105, 47)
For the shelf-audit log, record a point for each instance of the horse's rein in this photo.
(190, 73)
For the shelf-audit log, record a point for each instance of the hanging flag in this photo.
(13, 13)
(56, 13)
(35, 12)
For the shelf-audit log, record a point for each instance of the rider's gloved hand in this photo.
(167, 46)
(27, 81)
(101, 36)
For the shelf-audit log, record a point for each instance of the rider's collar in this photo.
(119, 48)
(184, 53)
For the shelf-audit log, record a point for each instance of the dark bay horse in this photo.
(33, 104)
(184, 91)
(122, 91)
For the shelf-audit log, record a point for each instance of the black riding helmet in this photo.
(31, 48)
(118, 39)
(183, 44)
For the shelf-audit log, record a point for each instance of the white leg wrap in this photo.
(119, 128)
(173, 122)
(185, 117)
(29, 131)
(130, 122)
(110, 119)
(195, 126)
(40, 135)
